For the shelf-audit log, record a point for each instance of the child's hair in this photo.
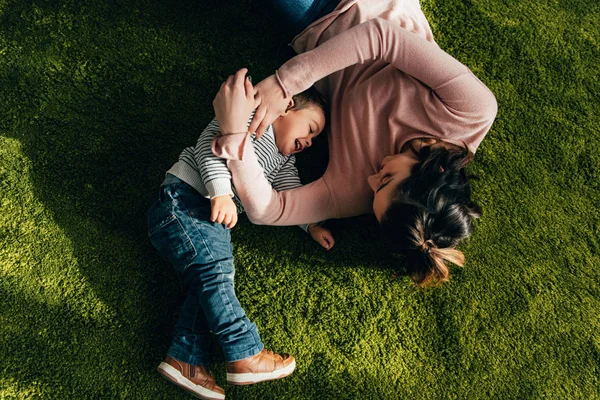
(311, 97)
(431, 213)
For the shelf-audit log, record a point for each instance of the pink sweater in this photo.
(387, 82)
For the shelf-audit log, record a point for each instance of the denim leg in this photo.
(204, 256)
(191, 342)
(213, 274)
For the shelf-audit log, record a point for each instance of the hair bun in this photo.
(426, 246)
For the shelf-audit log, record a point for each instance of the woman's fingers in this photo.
(229, 80)
(264, 124)
(259, 116)
(234, 103)
(240, 77)
(249, 88)
(257, 102)
(257, 97)
(271, 102)
(268, 116)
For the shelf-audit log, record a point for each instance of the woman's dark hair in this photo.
(431, 213)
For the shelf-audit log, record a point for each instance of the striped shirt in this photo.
(208, 174)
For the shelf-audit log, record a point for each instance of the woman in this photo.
(405, 119)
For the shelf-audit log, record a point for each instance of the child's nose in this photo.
(308, 142)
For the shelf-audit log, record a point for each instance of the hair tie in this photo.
(426, 246)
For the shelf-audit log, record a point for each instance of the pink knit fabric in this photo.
(387, 82)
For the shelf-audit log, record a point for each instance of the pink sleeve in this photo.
(463, 97)
(264, 205)
(378, 39)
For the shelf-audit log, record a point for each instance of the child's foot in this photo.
(264, 366)
(194, 378)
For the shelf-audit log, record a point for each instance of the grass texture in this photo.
(99, 97)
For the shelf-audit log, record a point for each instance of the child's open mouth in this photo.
(298, 145)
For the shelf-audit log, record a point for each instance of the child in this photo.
(193, 233)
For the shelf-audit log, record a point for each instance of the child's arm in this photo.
(287, 178)
(216, 178)
(213, 170)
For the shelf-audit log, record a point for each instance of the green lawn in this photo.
(98, 98)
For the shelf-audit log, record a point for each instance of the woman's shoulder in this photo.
(406, 14)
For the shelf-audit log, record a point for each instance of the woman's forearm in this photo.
(378, 39)
(264, 205)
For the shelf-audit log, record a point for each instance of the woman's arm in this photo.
(264, 205)
(233, 105)
(213, 170)
(287, 178)
(377, 39)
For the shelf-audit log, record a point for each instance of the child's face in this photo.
(296, 129)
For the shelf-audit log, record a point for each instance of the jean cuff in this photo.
(187, 358)
(245, 354)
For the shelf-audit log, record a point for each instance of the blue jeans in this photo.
(295, 15)
(179, 227)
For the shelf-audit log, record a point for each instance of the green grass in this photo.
(98, 99)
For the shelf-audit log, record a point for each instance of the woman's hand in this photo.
(273, 103)
(322, 235)
(234, 103)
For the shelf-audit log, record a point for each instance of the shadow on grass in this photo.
(103, 97)
(109, 95)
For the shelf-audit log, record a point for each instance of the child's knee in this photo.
(212, 274)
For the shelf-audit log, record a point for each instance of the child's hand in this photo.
(321, 235)
(234, 103)
(223, 211)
